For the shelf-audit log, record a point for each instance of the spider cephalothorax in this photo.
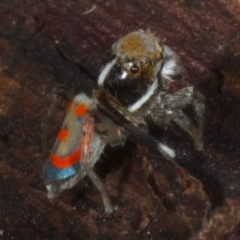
(139, 77)
(138, 57)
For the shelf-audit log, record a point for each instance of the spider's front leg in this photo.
(88, 156)
(127, 124)
(111, 133)
(169, 107)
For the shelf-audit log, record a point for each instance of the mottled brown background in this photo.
(50, 42)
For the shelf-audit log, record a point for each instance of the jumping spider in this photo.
(139, 75)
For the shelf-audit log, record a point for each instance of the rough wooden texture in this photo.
(44, 43)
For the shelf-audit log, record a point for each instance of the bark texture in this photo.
(50, 42)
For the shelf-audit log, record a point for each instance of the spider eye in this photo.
(134, 69)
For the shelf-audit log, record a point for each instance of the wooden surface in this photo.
(51, 42)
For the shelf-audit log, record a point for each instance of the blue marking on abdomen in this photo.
(50, 172)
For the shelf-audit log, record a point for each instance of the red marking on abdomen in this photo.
(87, 139)
(81, 109)
(68, 161)
(63, 134)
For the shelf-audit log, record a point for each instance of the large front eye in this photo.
(134, 69)
(129, 69)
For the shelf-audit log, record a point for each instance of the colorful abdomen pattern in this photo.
(65, 160)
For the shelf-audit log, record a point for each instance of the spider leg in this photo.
(100, 187)
(183, 121)
(111, 133)
(199, 109)
(89, 155)
(180, 100)
(171, 109)
(129, 124)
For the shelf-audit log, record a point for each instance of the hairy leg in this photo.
(169, 108)
(183, 121)
(100, 187)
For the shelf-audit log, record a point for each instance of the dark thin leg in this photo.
(100, 186)
(182, 120)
